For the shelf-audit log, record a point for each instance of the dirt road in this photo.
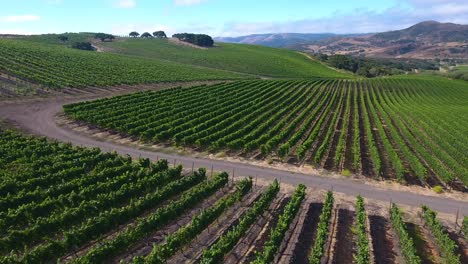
(40, 118)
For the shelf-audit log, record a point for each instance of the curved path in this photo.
(40, 118)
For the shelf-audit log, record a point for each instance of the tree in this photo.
(83, 46)
(159, 34)
(63, 38)
(134, 34)
(103, 36)
(146, 35)
(197, 39)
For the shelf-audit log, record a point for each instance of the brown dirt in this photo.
(307, 234)
(348, 157)
(329, 161)
(145, 246)
(424, 249)
(366, 163)
(258, 245)
(382, 239)
(193, 252)
(344, 248)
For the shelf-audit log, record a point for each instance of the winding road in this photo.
(39, 117)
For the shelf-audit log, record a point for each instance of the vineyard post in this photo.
(211, 176)
(256, 175)
(157, 158)
(456, 217)
(193, 164)
(175, 160)
(232, 175)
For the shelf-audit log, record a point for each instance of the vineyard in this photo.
(56, 66)
(410, 130)
(68, 204)
(250, 59)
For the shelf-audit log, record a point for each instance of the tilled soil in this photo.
(345, 238)
(209, 236)
(307, 236)
(259, 243)
(145, 246)
(423, 248)
(462, 245)
(382, 240)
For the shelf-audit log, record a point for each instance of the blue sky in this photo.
(224, 17)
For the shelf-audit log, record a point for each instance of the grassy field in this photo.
(407, 129)
(257, 60)
(61, 203)
(57, 66)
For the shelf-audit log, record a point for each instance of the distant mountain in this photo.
(425, 40)
(279, 40)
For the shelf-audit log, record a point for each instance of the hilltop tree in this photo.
(103, 36)
(159, 34)
(63, 38)
(134, 34)
(83, 46)
(197, 39)
(146, 35)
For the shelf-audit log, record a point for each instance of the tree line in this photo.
(156, 34)
(374, 67)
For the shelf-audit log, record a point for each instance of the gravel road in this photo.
(39, 117)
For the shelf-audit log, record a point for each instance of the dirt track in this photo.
(39, 117)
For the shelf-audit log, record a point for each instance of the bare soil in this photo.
(307, 234)
(344, 247)
(382, 239)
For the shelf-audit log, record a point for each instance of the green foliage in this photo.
(438, 189)
(375, 67)
(363, 249)
(283, 118)
(103, 36)
(200, 222)
(446, 245)
(146, 35)
(249, 59)
(155, 221)
(277, 234)
(318, 248)
(201, 40)
(217, 251)
(83, 46)
(134, 34)
(159, 34)
(406, 242)
(74, 68)
(465, 226)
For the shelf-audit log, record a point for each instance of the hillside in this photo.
(57, 66)
(426, 40)
(277, 40)
(250, 59)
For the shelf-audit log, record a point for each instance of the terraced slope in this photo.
(57, 66)
(408, 130)
(250, 59)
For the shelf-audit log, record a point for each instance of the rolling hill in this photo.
(425, 40)
(242, 58)
(56, 66)
(277, 40)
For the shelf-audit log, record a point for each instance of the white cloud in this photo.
(19, 18)
(188, 2)
(126, 3)
(406, 14)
